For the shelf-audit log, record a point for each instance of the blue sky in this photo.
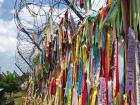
(5, 10)
(8, 34)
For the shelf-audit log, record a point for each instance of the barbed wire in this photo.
(32, 18)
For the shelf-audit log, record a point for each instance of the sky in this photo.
(8, 33)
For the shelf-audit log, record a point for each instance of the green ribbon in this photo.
(112, 12)
(90, 5)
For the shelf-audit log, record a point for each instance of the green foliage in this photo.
(10, 83)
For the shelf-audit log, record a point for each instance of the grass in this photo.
(18, 98)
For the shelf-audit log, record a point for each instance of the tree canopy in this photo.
(10, 83)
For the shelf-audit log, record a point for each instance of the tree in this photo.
(10, 83)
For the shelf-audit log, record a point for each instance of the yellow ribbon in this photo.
(116, 100)
(110, 2)
(80, 100)
(93, 100)
(69, 97)
(77, 49)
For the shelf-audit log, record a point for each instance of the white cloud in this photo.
(12, 11)
(2, 49)
(28, 20)
(33, 17)
(1, 2)
(7, 37)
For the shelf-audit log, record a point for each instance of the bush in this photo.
(10, 83)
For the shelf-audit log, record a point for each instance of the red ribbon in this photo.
(84, 93)
(81, 3)
(106, 67)
(102, 63)
(126, 14)
(53, 86)
(105, 12)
